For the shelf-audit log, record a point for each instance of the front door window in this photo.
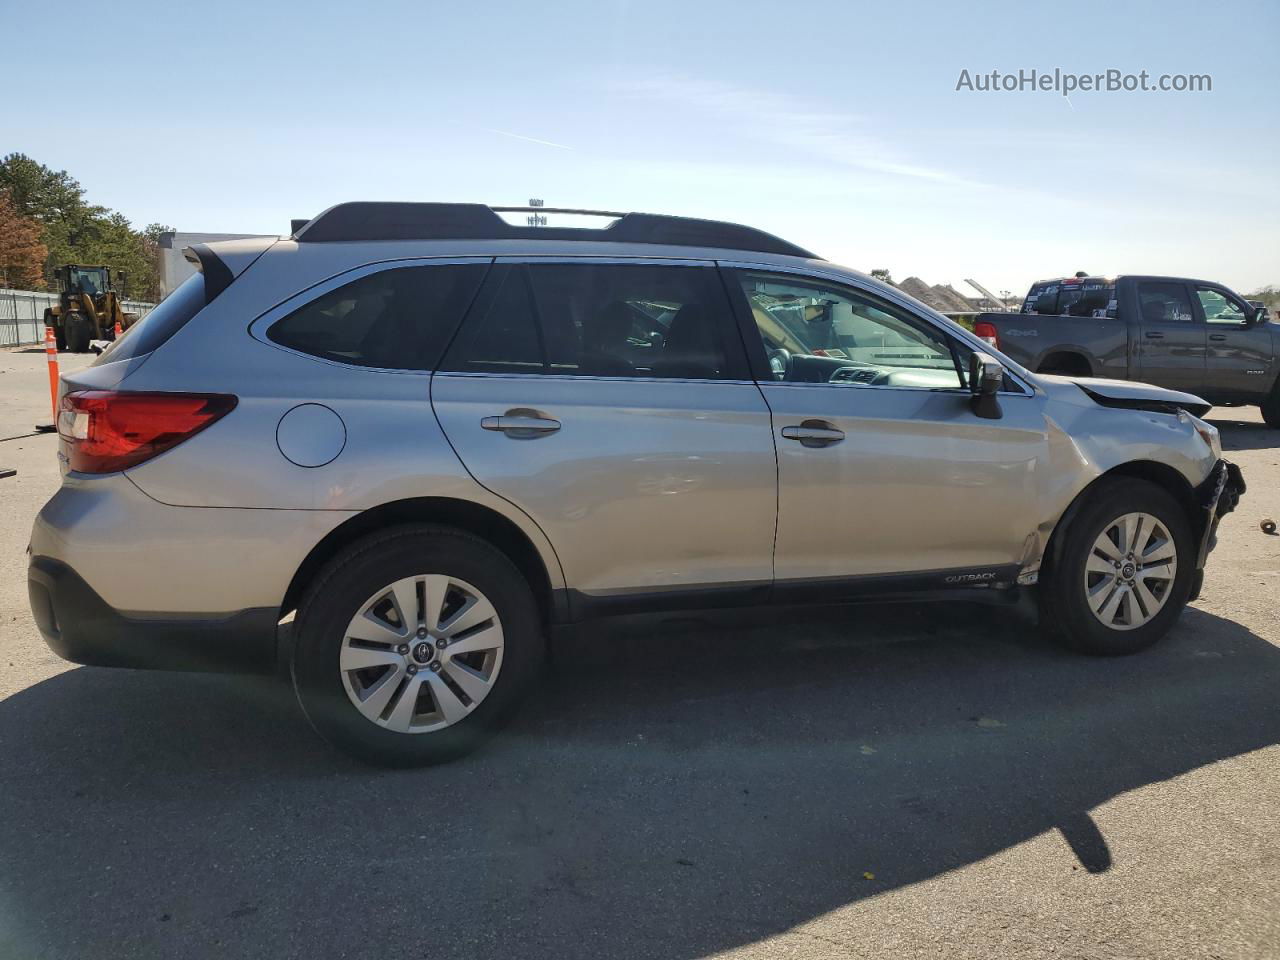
(1219, 308)
(815, 333)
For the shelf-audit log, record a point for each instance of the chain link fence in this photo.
(22, 315)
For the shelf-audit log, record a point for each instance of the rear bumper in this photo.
(78, 625)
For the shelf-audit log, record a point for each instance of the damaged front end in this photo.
(1217, 496)
(1128, 395)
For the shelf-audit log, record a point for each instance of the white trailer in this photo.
(173, 267)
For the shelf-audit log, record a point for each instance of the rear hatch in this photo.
(83, 395)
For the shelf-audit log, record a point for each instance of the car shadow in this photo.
(1245, 434)
(675, 788)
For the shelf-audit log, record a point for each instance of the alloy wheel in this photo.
(1130, 572)
(421, 653)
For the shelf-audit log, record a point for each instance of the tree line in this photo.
(45, 222)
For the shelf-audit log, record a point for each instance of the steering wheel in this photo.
(780, 362)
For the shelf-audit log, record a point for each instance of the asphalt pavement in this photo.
(886, 781)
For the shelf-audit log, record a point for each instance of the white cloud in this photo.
(824, 135)
(521, 136)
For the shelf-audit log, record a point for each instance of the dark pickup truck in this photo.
(1187, 335)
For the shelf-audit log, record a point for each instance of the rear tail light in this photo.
(109, 431)
(986, 330)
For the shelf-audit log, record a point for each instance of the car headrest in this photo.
(1153, 311)
(609, 329)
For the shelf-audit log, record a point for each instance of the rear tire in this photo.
(1100, 600)
(417, 703)
(77, 332)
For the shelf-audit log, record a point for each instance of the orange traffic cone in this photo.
(51, 352)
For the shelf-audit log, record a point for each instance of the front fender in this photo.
(1087, 441)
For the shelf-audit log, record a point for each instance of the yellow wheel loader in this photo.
(88, 309)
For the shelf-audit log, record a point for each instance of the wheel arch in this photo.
(481, 521)
(1072, 361)
(1160, 474)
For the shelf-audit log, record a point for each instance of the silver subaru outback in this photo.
(392, 450)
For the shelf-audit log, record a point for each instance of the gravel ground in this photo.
(863, 782)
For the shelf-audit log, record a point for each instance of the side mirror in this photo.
(986, 377)
(1260, 316)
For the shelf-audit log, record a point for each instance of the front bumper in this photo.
(1218, 495)
(78, 625)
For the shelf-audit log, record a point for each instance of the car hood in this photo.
(1137, 396)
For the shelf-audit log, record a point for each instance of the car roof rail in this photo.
(371, 221)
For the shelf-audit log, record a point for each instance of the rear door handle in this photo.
(1217, 336)
(521, 427)
(814, 433)
(1153, 335)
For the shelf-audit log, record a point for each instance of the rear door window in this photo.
(501, 335)
(1163, 302)
(397, 319)
(601, 320)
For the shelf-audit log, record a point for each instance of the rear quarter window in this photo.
(169, 316)
(396, 319)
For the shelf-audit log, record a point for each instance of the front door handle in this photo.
(1153, 335)
(814, 433)
(1217, 336)
(521, 426)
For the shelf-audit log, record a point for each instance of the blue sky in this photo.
(836, 125)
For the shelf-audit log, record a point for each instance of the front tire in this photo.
(1123, 571)
(1271, 408)
(77, 332)
(413, 645)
